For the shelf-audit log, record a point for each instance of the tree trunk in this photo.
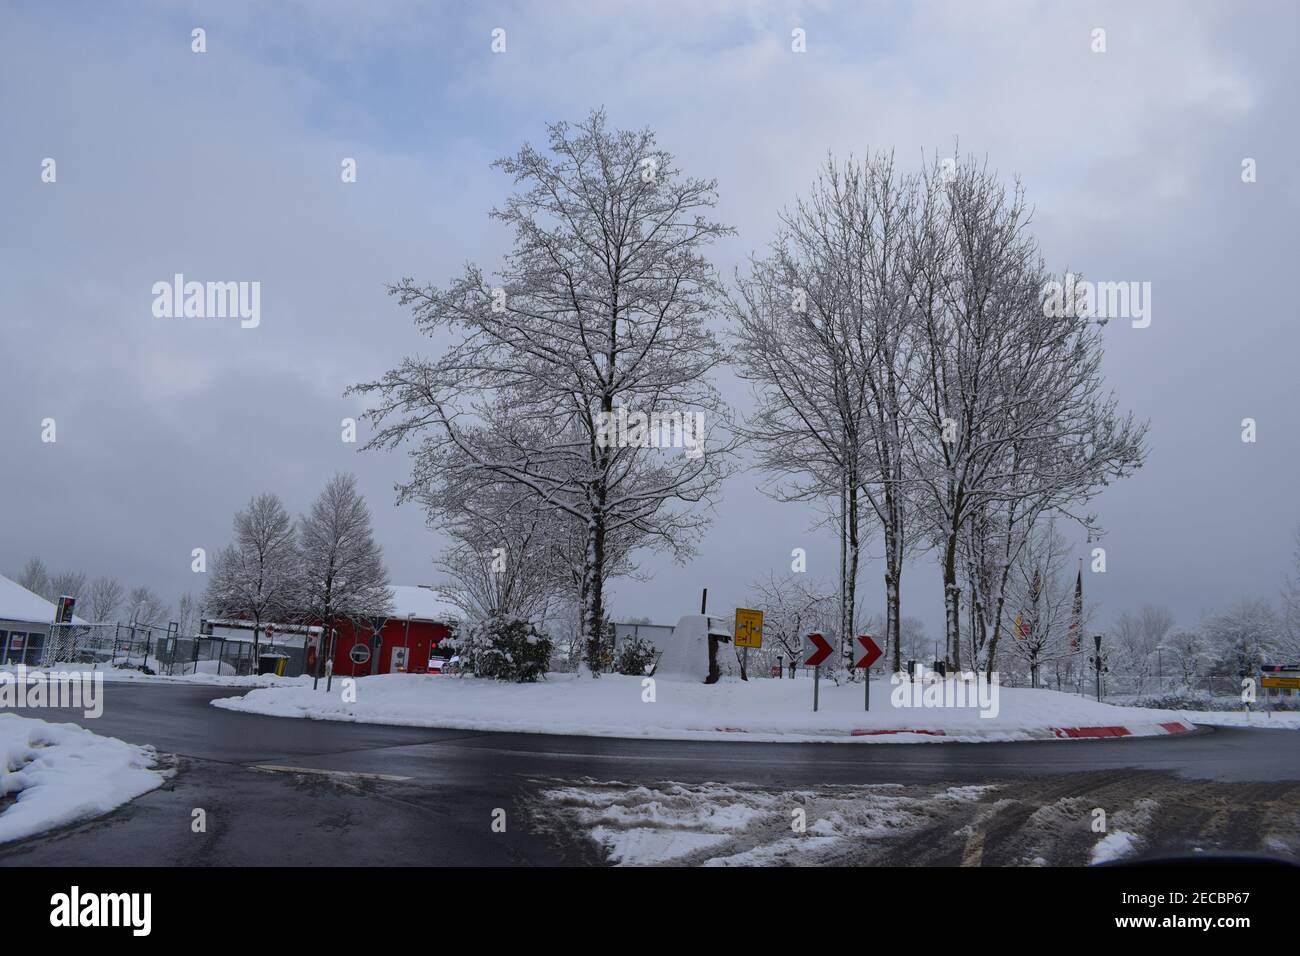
(593, 616)
(848, 610)
(1001, 604)
(257, 633)
(952, 601)
(893, 629)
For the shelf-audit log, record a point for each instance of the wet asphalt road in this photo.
(456, 781)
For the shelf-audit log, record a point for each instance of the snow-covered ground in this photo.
(53, 774)
(1279, 720)
(207, 675)
(618, 706)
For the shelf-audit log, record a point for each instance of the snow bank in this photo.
(1278, 720)
(619, 706)
(62, 773)
(686, 656)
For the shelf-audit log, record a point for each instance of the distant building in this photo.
(25, 619)
(405, 642)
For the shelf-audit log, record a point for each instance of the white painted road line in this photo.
(350, 774)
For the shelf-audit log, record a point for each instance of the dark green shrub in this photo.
(505, 649)
(636, 656)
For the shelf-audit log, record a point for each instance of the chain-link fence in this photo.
(221, 656)
(88, 643)
(159, 650)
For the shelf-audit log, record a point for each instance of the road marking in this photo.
(351, 774)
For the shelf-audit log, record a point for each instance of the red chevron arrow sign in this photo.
(816, 649)
(872, 650)
(820, 650)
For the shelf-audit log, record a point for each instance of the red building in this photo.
(419, 622)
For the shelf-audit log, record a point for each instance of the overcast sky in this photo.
(225, 166)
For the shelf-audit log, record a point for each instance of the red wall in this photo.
(421, 637)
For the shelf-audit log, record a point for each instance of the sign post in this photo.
(748, 633)
(871, 654)
(817, 650)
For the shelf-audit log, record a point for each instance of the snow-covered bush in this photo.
(636, 656)
(1201, 700)
(505, 649)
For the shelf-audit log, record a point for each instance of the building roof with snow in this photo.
(422, 603)
(19, 604)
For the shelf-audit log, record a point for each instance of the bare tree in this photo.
(1138, 638)
(1041, 601)
(70, 583)
(511, 554)
(35, 577)
(256, 577)
(144, 606)
(1243, 637)
(822, 329)
(103, 600)
(342, 572)
(187, 615)
(1190, 655)
(913, 643)
(598, 317)
(1012, 422)
(792, 607)
(1291, 604)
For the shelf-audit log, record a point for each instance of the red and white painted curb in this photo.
(1135, 730)
(1041, 733)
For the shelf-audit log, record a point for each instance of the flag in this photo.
(1076, 612)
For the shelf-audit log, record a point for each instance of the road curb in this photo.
(1168, 728)
(1134, 730)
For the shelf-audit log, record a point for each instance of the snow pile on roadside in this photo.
(619, 706)
(714, 824)
(61, 773)
(206, 676)
(650, 825)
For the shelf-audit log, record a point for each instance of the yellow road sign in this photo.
(749, 627)
(1287, 683)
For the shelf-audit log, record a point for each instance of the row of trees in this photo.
(906, 372)
(1146, 646)
(324, 568)
(1149, 649)
(101, 600)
